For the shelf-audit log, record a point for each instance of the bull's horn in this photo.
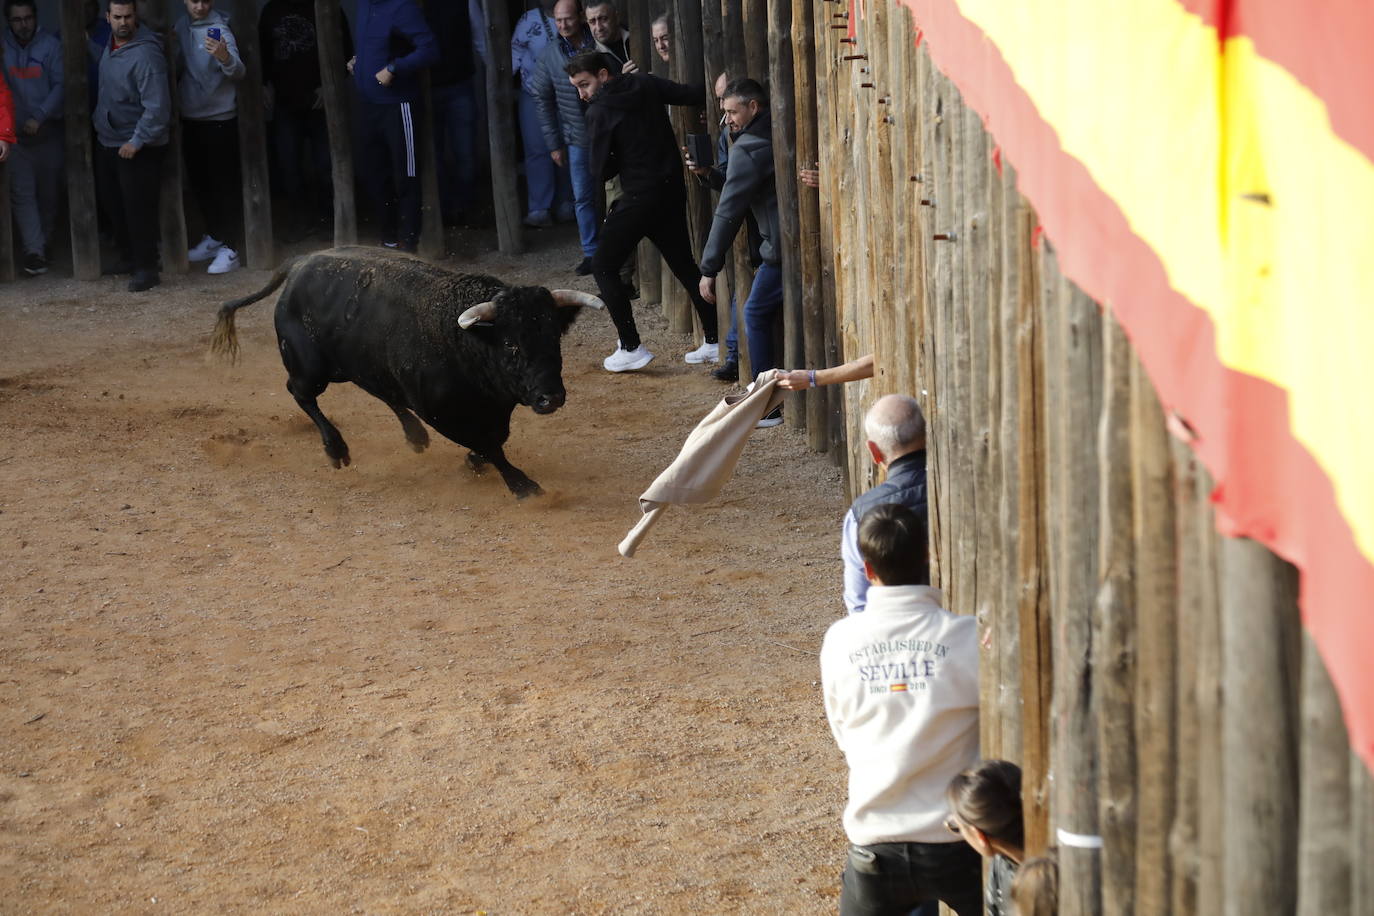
(576, 297)
(482, 311)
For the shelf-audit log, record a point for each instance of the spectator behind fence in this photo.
(630, 136)
(749, 186)
(895, 432)
(661, 33)
(1035, 892)
(985, 801)
(132, 114)
(901, 693)
(561, 118)
(208, 66)
(300, 136)
(459, 30)
(714, 176)
(33, 71)
(612, 39)
(548, 190)
(394, 43)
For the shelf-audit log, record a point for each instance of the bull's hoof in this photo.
(478, 463)
(340, 461)
(418, 445)
(524, 491)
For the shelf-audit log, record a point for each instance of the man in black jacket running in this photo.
(628, 134)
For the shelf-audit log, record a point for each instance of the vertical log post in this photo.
(1114, 630)
(1072, 364)
(505, 190)
(1192, 531)
(809, 253)
(257, 193)
(1212, 770)
(1361, 838)
(782, 101)
(1156, 597)
(1259, 638)
(1324, 806)
(713, 62)
(686, 58)
(171, 205)
(81, 204)
(334, 87)
(648, 263)
(432, 243)
(7, 273)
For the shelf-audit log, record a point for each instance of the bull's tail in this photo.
(224, 342)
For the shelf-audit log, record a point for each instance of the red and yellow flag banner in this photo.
(1206, 171)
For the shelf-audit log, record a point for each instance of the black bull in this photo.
(457, 350)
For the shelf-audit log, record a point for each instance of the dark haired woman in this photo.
(986, 801)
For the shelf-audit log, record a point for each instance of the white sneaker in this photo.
(706, 353)
(623, 360)
(226, 259)
(205, 249)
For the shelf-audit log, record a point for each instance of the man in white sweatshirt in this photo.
(901, 694)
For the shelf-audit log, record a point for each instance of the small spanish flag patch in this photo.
(897, 688)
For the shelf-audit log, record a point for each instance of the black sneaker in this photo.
(772, 418)
(142, 280)
(584, 268)
(35, 265)
(727, 371)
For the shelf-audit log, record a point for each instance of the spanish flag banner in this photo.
(1205, 169)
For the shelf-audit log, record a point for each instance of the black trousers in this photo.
(661, 217)
(388, 159)
(892, 879)
(211, 151)
(130, 189)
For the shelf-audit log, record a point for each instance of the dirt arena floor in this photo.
(236, 680)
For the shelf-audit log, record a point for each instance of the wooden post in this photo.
(1114, 629)
(334, 88)
(713, 63)
(1072, 365)
(809, 253)
(782, 101)
(1193, 532)
(505, 190)
(756, 39)
(649, 267)
(686, 59)
(81, 203)
(1156, 597)
(7, 273)
(1260, 660)
(1212, 767)
(257, 193)
(431, 244)
(1324, 829)
(171, 206)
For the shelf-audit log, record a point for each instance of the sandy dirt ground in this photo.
(236, 680)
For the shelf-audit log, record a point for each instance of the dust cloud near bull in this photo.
(458, 351)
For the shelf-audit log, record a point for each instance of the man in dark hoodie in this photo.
(628, 134)
(749, 187)
(394, 43)
(132, 113)
(459, 29)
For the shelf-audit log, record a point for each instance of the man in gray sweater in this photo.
(132, 113)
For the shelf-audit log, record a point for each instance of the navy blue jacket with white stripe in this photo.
(392, 32)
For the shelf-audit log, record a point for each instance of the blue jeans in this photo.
(761, 311)
(455, 126)
(584, 196)
(546, 185)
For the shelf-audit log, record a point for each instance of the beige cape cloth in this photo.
(708, 457)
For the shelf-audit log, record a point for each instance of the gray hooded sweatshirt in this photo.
(207, 86)
(134, 103)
